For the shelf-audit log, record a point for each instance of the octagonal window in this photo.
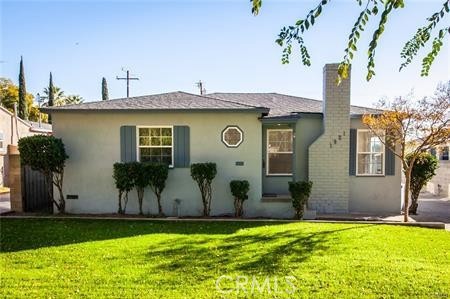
(232, 136)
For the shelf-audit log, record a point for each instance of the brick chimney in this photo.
(329, 154)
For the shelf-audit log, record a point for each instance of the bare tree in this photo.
(409, 127)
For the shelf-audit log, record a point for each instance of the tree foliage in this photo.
(46, 154)
(370, 9)
(23, 107)
(203, 174)
(9, 95)
(59, 98)
(412, 127)
(105, 95)
(239, 189)
(423, 170)
(300, 192)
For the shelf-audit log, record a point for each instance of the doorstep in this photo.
(276, 198)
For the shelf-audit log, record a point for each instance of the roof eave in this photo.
(58, 110)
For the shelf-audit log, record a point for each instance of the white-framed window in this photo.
(370, 154)
(155, 144)
(232, 136)
(280, 151)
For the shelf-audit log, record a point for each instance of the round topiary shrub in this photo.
(203, 174)
(300, 192)
(239, 189)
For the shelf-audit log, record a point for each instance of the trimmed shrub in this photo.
(203, 174)
(140, 174)
(300, 192)
(239, 189)
(158, 173)
(423, 170)
(46, 154)
(124, 181)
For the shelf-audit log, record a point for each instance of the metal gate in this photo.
(35, 195)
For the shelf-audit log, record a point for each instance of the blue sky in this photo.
(172, 44)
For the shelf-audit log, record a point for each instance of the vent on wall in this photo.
(72, 196)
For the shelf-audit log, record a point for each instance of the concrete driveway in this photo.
(433, 208)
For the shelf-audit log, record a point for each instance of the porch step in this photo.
(276, 198)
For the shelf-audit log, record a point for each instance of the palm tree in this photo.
(58, 96)
(73, 99)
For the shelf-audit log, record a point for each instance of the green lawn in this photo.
(117, 258)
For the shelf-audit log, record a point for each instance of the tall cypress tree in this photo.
(51, 96)
(23, 108)
(105, 95)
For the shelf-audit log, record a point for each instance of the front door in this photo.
(278, 155)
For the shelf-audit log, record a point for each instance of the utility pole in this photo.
(200, 86)
(128, 78)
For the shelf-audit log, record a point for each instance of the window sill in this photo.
(370, 175)
(279, 175)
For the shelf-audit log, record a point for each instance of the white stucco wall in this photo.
(375, 194)
(12, 129)
(93, 144)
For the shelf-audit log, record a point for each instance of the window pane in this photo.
(166, 141)
(144, 141)
(363, 141)
(167, 160)
(166, 132)
(155, 151)
(375, 144)
(155, 132)
(145, 151)
(155, 140)
(370, 163)
(280, 163)
(280, 141)
(144, 132)
(166, 151)
(377, 164)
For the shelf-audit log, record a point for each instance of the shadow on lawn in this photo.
(253, 253)
(23, 234)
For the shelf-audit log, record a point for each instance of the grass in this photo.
(149, 259)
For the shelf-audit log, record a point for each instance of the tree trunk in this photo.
(62, 202)
(120, 203)
(158, 198)
(140, 194)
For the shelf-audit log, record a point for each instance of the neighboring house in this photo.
(440, 183)
(13, 128)
(268, 139)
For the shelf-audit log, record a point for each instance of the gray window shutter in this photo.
(181, 146)
(352, 160)
(389, 162)
(128, 144)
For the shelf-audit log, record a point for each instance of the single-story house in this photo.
(12, 128)
(268, 139)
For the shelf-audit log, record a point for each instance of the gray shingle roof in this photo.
(166, 101)
(279, 104)
(283, 105)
